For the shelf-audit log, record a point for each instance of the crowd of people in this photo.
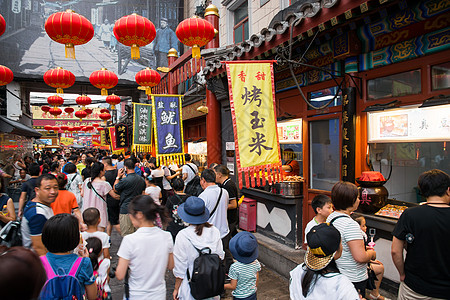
(70, 203)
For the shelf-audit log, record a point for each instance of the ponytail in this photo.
(148, 207)
(310, 278)
(94, 247)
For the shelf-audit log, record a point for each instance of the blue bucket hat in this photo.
(244, 247)
(193, 211)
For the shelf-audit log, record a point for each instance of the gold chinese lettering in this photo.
(344, 134)
(345, 151)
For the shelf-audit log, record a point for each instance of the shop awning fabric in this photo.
(10, 126)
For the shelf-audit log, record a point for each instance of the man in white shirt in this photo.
(189, 170)
(218, 215)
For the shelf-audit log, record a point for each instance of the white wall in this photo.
(13, 104)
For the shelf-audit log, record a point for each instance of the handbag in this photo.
(372, 278)
(10, 235)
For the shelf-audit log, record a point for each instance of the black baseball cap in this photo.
(323, 242)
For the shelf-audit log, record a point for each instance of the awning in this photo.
(10, 126)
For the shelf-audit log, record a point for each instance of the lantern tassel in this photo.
(59, 91)
(148, 90)
(104, 92)
(196, 52)
(135, 52)
(113, 107)
(70, 51)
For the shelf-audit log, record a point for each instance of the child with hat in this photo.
(319, 277)
(244, 272)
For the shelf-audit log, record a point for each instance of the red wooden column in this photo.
(213, 118)
(172, 57)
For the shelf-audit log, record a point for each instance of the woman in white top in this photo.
(94, 192)
(153, 190)
(74, 182)
(147, 252)
(319, 278)
(354, 259)
(18, 165)
(198, 234)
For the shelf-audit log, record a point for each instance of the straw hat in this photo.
(323, 242)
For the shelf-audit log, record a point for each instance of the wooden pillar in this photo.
(213, 118)
(172, 57)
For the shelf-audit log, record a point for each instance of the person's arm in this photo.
(231, 286)
(171, 263)
(257, 278)
(397, 256)
(113, 194)
(11, 215)
(22, 199)
(38, 246)
(122, 267)
(286, 168)
(232, 204)
(106, 253)
(77, 213)
(91, 291)
(359, 253)
(178, 282)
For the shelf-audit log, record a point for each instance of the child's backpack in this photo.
(193, 187)
(208, 275)
(101, 294)
(62, 287)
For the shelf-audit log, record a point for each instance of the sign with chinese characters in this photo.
(348, 134)
(96, 140)
(65, 141)
(252, 100)
(290, 132)
(410, 124)
(122, 136)
(168, 125)
(142, 127)
(112, 138)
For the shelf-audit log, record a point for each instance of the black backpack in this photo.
(193, 187)
(208, 275)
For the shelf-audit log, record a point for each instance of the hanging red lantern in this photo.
(103, 79)
(134, 31)
(2, 25)
(71, 128)
(48, 127)
(195, 32)
(55, 101)
(45, 109)
(6, 75)
(77, 128)
(104, 110)
(80, 114)
(84, 128)
(64, 127)
(59, 79)
(83, 100)
(55, 128)
(69, 28)
(113, 100)
(88, 111)
(95, 125)
(100, 129)
(105, 117)
(55, 111)
(148, 78)
(69, 110)
(90, 127)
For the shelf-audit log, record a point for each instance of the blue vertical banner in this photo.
(168, 125)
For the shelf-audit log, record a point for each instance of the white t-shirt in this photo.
(350, 231)
(154, 191)
(166, 183)
(308, 227)
(184, 254)
(188, 171)
(102, 278)
(102, 236)
(331, 286)
(148, 252)
(219, 219)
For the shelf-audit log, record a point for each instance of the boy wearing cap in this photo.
(319, 278)
(244, 272)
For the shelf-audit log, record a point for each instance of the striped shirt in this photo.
(245, 274)
(350, 231)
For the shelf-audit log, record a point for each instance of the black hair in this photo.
(107, 160)
(310, 278)
(357, 218)
(96, 169)
(44, 177)
(91, 216)
(153, 161)
(433, 183)
(95, 247)
(73, 157)
(344, 195)
(62, 181)
(319, 201)
(213, 165)
(148, 207)
(34, 169)
(178, 184)
(61, 233)
(209, 175)
(70, 168)
(89, 161)
(129, 163)
(187, 157)
(54, 166)
(114, 156)
(222, 170)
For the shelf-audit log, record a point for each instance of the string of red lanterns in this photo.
(80, 114)
(55, 101)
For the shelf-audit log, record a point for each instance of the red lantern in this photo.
(195, 32)
(80, 114)
(45, 109)
(64, 127)
(55, 111)
(148, 78)
(6, 75)
(77, 128)
(55, 101)
(113, 100)
(2, 25)
(55, 128)
(69, 110)
(134, 31)
(88, 111)
(83, 100)
(90, 127)
(59, 79)
(104, 110)
(48, 127)
(95, 125)
(84, 128)
(105, 117)
(100, 129)
(71, 128)
(103, 79)
(69, 28)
